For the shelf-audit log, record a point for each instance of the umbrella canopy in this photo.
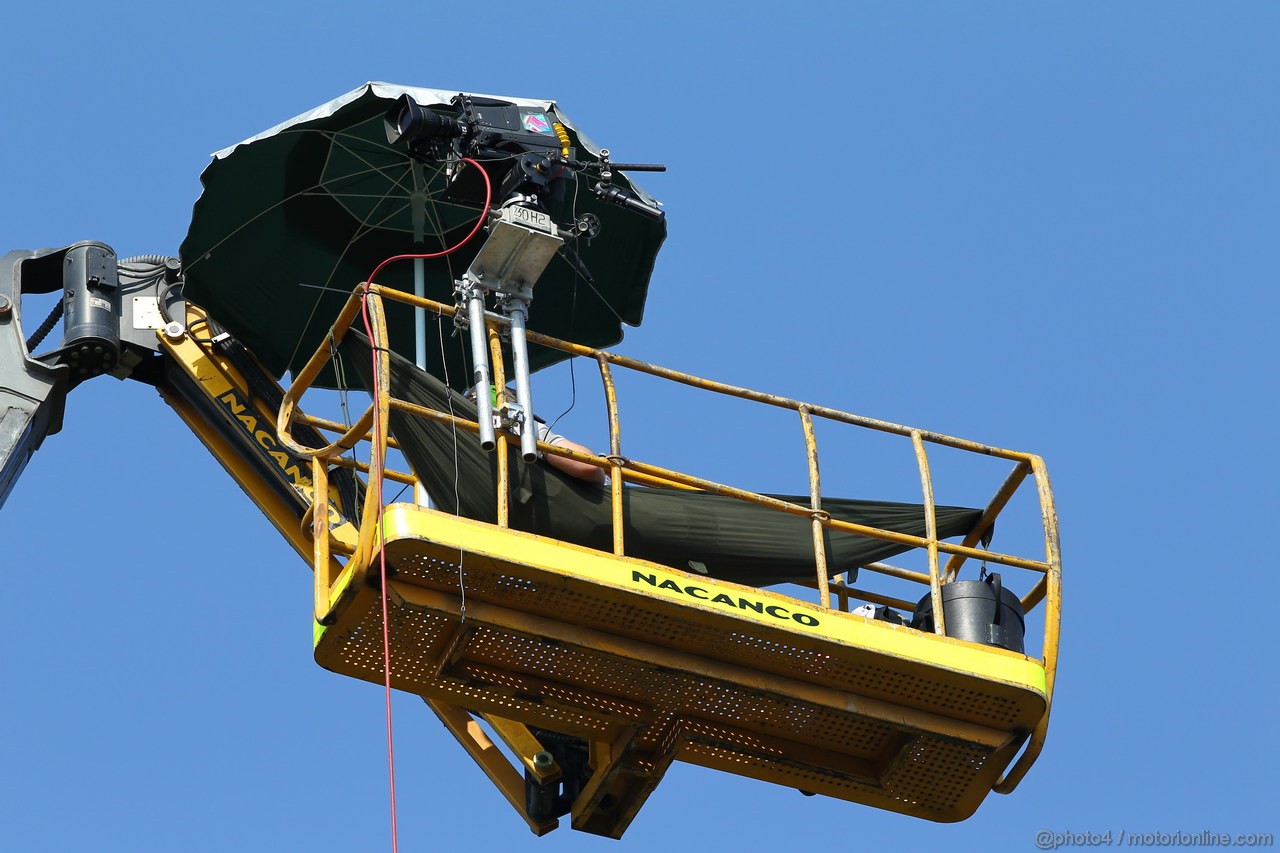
(319, 201)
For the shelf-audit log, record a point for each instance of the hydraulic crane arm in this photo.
(32, 395)
(128, 318)
(33, 390)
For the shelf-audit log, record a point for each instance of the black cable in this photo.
(208, 324)
(457, 470)
(162, 298)
(162, 306)
(398, 494)
(46, 327)
(479, 159)
(573, 379)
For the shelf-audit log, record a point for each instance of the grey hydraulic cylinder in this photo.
(480, 361)
(516, 309)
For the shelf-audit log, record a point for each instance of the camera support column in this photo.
(522, 240)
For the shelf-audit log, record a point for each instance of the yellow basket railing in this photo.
(372, 427)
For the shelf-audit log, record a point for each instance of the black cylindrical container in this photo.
(91, 316)
(972, 613)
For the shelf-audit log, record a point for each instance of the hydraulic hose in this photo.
(154, 260)
(46, 327)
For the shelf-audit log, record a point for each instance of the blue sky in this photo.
(1044, 226)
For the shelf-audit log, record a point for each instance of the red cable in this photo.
(378, 450)
(484, 214)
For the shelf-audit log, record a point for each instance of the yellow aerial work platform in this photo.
(543, 640)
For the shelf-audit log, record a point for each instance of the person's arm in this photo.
(572, 467)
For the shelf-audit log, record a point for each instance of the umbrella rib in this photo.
(431, 200)
(577, 272)
(589, 283)
(300, 193)
(243, 225)
(436, 169)
(367, 227)
(335, 138)
(438, 222)
(397, 180)
(332, 194)
(336, 143)
(333, 134)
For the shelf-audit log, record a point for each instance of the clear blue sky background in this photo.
(1048, 226)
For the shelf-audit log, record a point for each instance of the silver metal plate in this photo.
(529, 218)
(517, 251)
(146, 313)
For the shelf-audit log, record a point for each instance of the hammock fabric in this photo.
(700, 532)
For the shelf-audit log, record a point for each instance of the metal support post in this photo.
(473, 293)
(517, 308)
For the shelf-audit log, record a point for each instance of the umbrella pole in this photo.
(418, 200)
(420, 315)
(420, 348)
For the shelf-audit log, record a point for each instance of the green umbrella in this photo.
(292, 219)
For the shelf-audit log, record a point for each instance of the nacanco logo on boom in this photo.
(266, 440)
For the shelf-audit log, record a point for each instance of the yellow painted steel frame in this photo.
(649, 664)
(219, 383)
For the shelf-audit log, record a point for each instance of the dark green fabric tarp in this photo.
(693, 531)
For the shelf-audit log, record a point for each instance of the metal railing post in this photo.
(931, 532)
(815, 503)
(615, 455)
(503, 450)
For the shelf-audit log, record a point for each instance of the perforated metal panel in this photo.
(554, 636)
